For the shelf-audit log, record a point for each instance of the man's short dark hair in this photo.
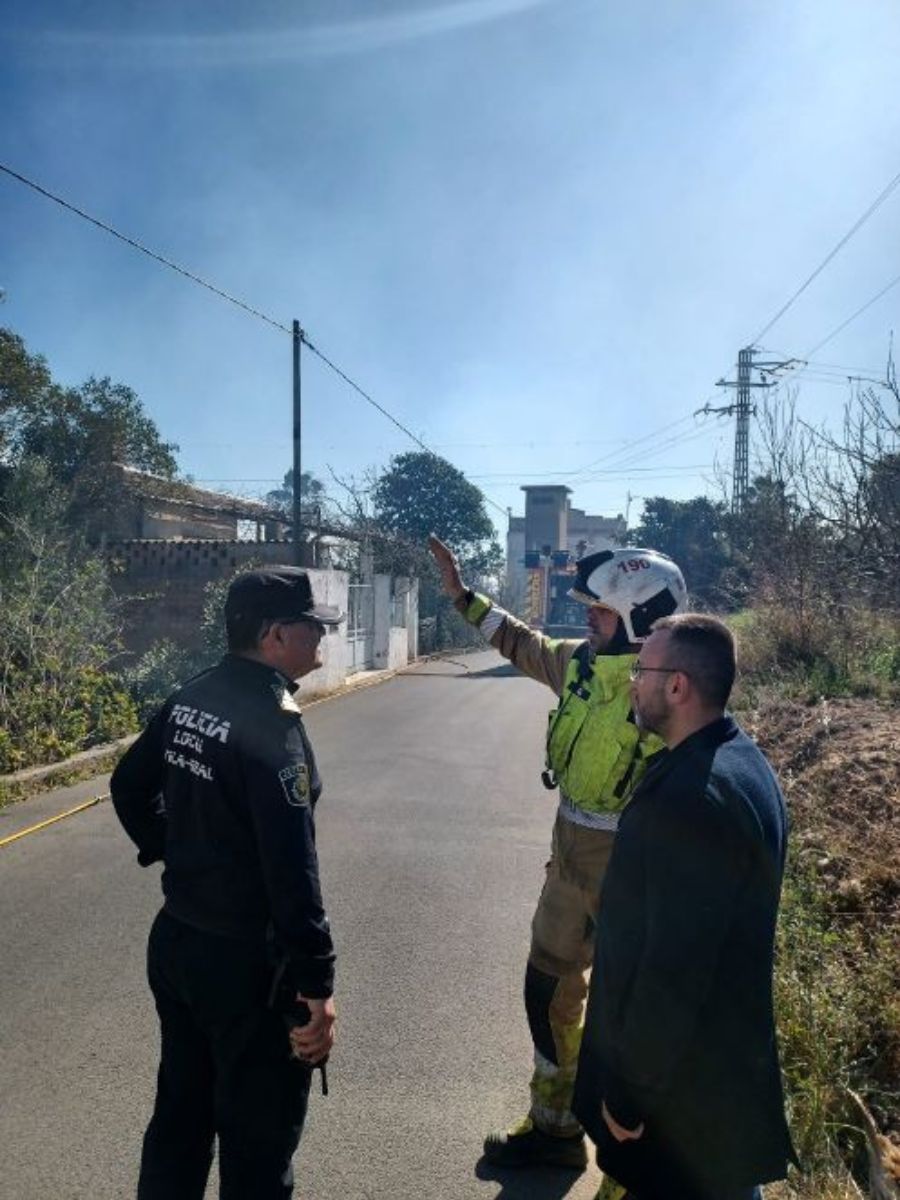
(704, 646)
(244, 631)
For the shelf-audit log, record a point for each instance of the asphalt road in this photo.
(433, 831)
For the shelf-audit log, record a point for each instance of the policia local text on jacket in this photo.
(596, 755)
(221, 787)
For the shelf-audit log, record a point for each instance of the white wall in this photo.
(329, 587)
(394, 645)
(412, 622)
(391, 650)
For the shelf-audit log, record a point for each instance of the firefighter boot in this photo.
(527, 1146)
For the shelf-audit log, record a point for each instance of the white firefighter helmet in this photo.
(640, 585)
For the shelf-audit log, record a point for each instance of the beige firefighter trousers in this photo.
(562, 945)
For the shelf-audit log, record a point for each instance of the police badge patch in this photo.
(295, 781)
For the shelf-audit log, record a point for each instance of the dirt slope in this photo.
(839, 764)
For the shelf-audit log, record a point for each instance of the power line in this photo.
(223, 295)
(129, 241)
(365, 395)
(847, 451)
(634, 455)
(858, 313)
(876, 204)
(512, 476)
(625, 467)
(843, 368)
(681, 439)
(626, 447)
(828, 374)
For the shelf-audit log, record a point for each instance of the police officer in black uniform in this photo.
(221, 788)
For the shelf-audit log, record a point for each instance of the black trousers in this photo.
(225, 1070)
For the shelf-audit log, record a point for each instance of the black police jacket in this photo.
(221, 786)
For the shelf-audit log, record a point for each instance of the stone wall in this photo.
(163, 587)
(162, 583)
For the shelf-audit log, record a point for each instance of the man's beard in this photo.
(597, 640)
(650, 717)
(617, 644)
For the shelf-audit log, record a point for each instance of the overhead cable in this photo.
(676, 441)
(642, 454)
(841, 368)
(136, 245)
(514, 475)
(626, 446)
(858, 313)
(365, 395)
(223, 295)
(876, 204)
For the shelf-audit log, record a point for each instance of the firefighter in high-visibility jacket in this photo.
(595, 756)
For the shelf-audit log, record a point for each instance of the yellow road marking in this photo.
(14, 837)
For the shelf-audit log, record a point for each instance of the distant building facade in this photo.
(551, 527)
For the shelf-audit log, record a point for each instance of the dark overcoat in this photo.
(680, 1033)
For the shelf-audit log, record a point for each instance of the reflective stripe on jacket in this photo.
(594, 749)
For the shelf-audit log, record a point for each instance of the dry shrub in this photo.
(838, 968)
(814, 650)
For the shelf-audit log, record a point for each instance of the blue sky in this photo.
(535, 230)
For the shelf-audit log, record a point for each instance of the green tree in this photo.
(25, 385)
(59, 631)
(421, 493)
(312, 492)
(78, 432)
(59, 618)
(695, 534)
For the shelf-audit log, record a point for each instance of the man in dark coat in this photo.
(678, 1080)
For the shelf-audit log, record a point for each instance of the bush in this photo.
(59, 631)
(46, 723)
(165, 666)
(835, 997)
(157, 673)
(818, 651)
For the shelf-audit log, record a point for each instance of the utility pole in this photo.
(298, 512)
(741, 480)
(628, 500)
(743, 409)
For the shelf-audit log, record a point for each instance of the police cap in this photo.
(277, 594)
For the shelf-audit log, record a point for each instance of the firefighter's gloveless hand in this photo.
(448, 567)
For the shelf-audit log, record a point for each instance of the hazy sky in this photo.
(535, 230)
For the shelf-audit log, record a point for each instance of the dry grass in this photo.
(838, 973)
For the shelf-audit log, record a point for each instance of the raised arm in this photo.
(542, 658)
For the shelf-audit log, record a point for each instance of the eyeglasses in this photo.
(638, 671)
(318, 625)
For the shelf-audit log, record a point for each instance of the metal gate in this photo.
(360, 627)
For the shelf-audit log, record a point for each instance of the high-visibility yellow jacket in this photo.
(595, 752)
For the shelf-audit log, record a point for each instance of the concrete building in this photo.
(552, 526)
(150, 507)
(167, 541)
